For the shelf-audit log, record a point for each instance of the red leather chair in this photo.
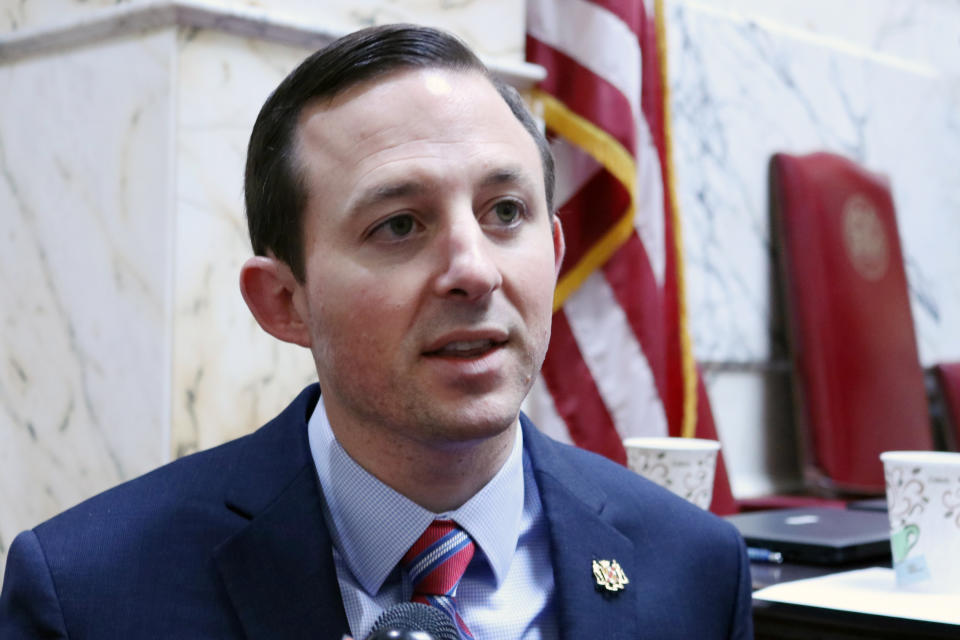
(858, 383)
(948, 375)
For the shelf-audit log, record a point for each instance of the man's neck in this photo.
(439, 477)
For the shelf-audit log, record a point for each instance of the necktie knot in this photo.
(435, 564)
(437, 560)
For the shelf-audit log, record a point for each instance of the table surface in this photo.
(781, 621)
(765, 574)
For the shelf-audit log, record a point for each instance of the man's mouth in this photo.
(466, 348)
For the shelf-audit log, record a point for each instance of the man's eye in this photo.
(398, 226)
(507, 211)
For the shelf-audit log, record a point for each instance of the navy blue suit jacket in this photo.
(231, 543)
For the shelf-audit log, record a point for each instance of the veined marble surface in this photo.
(493, 28)
(229, 376)
(18, 15)
(924, 31)
(742, 91)
(85, 348)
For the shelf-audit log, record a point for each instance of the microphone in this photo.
(413, 621)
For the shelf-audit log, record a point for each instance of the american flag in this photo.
(619, 363)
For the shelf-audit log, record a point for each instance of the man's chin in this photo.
(472, 422)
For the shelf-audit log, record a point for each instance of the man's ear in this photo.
(272, 293)
(559, 244)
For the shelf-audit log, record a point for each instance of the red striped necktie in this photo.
(435, 564)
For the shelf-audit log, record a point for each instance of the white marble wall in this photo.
(876, 81)
(228, 375)
(17, 15)
(492, 27)
(85, 249)
(123, 131)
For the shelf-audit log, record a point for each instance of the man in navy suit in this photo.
(400, 207)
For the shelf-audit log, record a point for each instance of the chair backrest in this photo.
(857, 376)
(948, 375)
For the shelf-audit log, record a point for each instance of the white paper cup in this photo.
(923, 502)
(685, 466)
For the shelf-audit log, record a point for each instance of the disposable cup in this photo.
(923, 503)
(685, 466)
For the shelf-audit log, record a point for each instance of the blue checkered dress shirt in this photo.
(507, 591)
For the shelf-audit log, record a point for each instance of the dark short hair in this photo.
(274, 186)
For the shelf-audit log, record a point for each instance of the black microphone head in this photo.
(413, 621)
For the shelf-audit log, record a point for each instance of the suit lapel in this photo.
(579, 534)
(278, 570)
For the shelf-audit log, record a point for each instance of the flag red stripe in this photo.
(723, 502)
(575, 394)
(584, 92)
(651, 102)
(636, 290)
(589, 214)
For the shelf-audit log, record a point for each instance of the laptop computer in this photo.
(869, 504)
(817, 535)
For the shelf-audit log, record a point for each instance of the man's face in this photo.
(430, 256)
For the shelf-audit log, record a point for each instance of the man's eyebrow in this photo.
(380, 193)
(386, 192)
(505, 175)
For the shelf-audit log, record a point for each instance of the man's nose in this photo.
(468, 269)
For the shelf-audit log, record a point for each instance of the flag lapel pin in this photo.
(609, 575)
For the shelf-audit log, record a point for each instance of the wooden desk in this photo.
(779, 621)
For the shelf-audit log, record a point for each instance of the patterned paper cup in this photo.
(923, 501)
(683, 465)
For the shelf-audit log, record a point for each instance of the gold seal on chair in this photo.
(865, 238)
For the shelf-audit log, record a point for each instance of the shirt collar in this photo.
(373, 526)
